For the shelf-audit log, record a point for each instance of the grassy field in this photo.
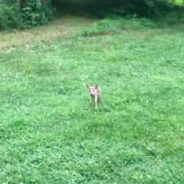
(50, 134)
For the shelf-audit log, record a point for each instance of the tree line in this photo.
(28, 13)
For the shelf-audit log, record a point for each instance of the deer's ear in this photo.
(96, 86)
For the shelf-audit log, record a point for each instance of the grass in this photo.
(59, 27)
(49, 133)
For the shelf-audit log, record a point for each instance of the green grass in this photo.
(49, 133)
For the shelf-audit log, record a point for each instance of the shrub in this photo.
(35, 12)
(24, 13)
(9, 16)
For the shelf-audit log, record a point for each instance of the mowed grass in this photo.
(49, 133)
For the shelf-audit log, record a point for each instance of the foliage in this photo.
(35, 13)
(24, 13)
(50, 134)
(148, 8)
(27, 13)
(136, 8)
(9, 16)
(178, 2)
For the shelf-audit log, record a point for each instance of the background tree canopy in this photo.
(27, 13)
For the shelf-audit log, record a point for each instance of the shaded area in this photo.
(151, 8)
(86, 8)
(29, 13)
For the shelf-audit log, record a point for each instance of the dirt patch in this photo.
(60, 27)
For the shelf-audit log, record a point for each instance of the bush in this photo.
(35, 13)
(24, 13)
(9, 16)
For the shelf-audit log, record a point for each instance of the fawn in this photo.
(94, 92)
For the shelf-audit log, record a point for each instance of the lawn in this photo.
(49, 132)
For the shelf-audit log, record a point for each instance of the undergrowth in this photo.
(115, 24)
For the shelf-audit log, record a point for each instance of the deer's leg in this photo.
(96, 101)
(91, 98)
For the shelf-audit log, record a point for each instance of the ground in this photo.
(58, 27)
(49, 132)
